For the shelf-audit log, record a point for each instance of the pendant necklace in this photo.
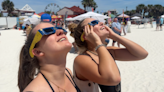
(59, 87)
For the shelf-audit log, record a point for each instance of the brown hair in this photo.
(71, 28)
(77, 35)
(28, 65)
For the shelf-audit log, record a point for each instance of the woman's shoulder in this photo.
(82, 57)
(38, 85)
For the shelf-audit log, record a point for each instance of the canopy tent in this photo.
(31, 20)
(112, 15)
(124, 15)
(135, 17)
(91, 14)
(69, 19)
(137, 14)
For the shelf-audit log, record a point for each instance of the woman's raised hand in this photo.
(111, 33)
(91, 36)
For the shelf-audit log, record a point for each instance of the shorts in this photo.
(158, 24)
(161, 25)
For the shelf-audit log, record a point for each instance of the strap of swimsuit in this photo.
(48, 83)
(74, 84)
(92, 58)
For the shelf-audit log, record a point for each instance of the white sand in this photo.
(137, 76)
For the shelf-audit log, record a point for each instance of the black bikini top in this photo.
(72, 81)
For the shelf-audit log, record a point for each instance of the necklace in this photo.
(59, 87)
(93, 52)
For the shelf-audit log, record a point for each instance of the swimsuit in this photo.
(73, 82)
(104, 88)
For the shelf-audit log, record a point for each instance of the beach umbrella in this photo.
(112, 16)
(135, 17)
(137, 14)
(35, 16)
(91, 14)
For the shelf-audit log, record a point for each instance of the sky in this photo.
(103, 5)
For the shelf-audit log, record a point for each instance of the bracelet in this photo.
(99, 46)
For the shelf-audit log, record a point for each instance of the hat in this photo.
(46, 17)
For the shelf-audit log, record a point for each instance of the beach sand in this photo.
(146, 75)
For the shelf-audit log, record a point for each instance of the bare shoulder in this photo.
(81, 60)
(69, 72)
(38, 85)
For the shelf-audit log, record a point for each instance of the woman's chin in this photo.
(69, 46)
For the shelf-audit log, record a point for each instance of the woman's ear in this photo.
(37, 52)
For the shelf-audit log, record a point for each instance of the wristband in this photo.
(99, 46)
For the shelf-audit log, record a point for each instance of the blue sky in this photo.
(103, 5)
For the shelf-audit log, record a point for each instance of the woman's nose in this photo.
(59, 32)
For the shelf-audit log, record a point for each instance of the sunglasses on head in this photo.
(40, 33)
(94, 22)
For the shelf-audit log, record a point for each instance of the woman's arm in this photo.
(106, 72)
(132, 51)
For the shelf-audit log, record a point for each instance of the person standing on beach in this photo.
(151, 22)
(28, 29)
(161, 23)
(95, 65)
(157, 23)
(71, 28)
(43, 61)
(116, 27)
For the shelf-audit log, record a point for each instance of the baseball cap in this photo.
(46, 17)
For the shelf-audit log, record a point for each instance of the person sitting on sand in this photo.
(96, 63)
(44, 54)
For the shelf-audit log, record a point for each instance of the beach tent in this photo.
(137, 14)
(91, 14)
(124, 15)
(135, 17)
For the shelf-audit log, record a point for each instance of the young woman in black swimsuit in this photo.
(44, 54)
(96, 63)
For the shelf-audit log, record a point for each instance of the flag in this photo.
(109, 14)
(92, 9)
(123, 16)
(109, 19)
(65, 18)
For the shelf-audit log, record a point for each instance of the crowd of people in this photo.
(43, 57)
